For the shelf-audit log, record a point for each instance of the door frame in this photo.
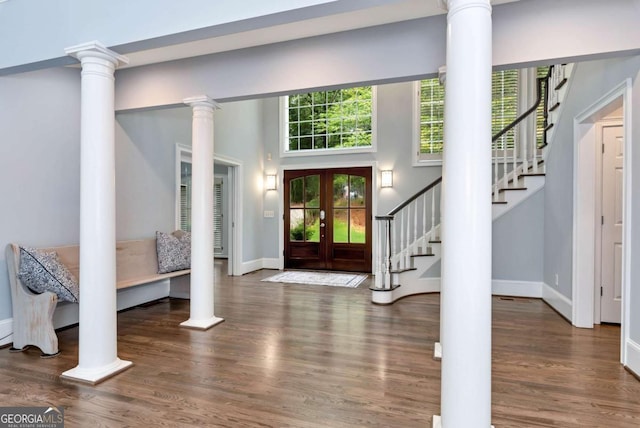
(322, 165)
(584, 200)
(235, 217)
(600, 125)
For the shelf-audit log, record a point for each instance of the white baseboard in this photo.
(253, 265)
(270, 263)
(633, 356)
(257, 264)
(502, 287)
(6, 329)
(557, 301)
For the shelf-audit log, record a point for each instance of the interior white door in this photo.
(612, 179)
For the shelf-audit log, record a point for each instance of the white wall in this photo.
(39, 163)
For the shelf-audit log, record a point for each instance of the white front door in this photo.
(612, 179)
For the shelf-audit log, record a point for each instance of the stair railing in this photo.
(413, 225)
(407, 230)
(510, 162)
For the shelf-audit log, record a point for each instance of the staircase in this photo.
(409, 243)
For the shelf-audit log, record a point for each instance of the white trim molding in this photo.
(502, 287)
(633, 356)
(584, 217)
(558, 301)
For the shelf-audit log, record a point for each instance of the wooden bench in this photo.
(136, 264)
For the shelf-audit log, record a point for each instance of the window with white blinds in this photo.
(218, 205)
(430, 116)
(217, 215)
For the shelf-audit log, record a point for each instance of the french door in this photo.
(327, 219)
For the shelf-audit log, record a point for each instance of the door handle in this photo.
(322, 214)
(321, 224)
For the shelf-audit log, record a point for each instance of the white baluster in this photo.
(495, 171)
(394, 239)
(408, 246)
(433, 215)
(505, 183)
(414, 242)
(402, 248)
(424, 223)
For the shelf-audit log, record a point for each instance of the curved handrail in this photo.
(433, 184)
(533, 108)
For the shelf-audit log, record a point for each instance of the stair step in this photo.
(499, 202)
(548, 127)
(398, 271)
(555, 106)
(533, 174)
(422, 255)
(511, 188)
(435, 242)
(393, 287)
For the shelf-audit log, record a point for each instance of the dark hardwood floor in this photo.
(313, 356)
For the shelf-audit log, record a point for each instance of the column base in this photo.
(437, 351)
(97, 375)
(437, 422)
(201, 324)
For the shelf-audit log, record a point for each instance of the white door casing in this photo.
(611, 224)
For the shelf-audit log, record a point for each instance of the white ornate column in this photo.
(202, 280)
(98, 342)
(466, 224)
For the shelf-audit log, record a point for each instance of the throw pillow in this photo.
(174, 251)
(42, 271)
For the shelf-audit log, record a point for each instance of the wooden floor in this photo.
(314, 356)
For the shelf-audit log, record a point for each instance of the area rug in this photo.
(351, 280)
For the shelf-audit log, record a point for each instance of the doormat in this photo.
(350, 280)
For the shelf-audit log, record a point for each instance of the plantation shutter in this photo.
(217, 215)
(504, 106)
(185, 208)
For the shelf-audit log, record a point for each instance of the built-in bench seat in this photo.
(136, 264)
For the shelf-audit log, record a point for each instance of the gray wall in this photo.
(590, 81)
(39, 163)
(145, 169)
(394, 148)
(403, 51)
(518, 241)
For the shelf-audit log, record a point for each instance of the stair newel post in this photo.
(388, 264)
(394, 236)
(378, 255)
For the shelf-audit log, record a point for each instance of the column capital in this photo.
(453, 6)
(201, 101)
(96, 49)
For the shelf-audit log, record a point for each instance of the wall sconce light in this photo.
(271, 182)
(386, 178)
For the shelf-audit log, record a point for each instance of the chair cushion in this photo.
(42, 271)
(174, 251)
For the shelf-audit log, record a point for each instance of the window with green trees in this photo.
(329, 120)
(504, 109)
